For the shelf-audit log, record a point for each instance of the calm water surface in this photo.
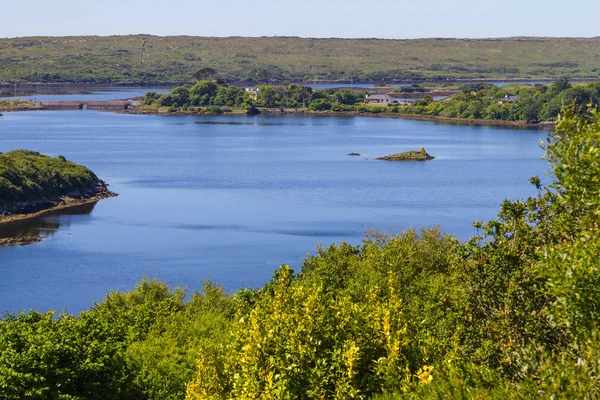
(89, 93)
(232, 198)
(118, 93)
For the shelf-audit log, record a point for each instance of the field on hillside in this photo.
(94, 59)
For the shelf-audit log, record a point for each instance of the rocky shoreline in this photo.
(304, 112)
(408, 156)
(19, 241)
(31, 210)
(33, 207)
(133, 107)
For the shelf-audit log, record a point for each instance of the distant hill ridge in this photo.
(120, 59)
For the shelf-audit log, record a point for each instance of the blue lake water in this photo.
(532, 83)
(88, 93)
(232, 198)
(350, 85)
(370, 85)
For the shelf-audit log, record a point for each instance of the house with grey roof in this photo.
(379, 99)
(508, 99)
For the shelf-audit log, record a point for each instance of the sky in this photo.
(392, 19)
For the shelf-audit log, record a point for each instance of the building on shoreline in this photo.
(252, 92)
(507, 99)
(379, 99)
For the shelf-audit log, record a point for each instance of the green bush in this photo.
(300, 341)
(214, 109)
(135, 345)
(48, 357)
(320, 105)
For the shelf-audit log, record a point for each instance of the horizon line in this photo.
(305, 37)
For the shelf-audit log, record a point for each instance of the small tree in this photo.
(561, 84)
(264, 74)
(205, 73)
(202, 93)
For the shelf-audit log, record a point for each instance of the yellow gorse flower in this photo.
(424, 375)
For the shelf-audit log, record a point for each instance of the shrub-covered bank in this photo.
(526, 103)
(207, 96)
(511, 313)
(30, 180)
(509, 104)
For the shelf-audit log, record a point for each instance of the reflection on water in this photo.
(261, 122)
(75, 93)
(45, 225)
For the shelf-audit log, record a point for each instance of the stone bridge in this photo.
(112, 105)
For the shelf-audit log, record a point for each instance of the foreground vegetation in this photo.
(518, 103)
(511, 313)
(94, 59)
(28, 178)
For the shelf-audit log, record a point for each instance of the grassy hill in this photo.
(95, 59)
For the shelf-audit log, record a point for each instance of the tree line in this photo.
(532, 104)
(539, 103)
(210, 94)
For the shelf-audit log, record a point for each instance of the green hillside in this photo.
(95, 59)
(27, 176)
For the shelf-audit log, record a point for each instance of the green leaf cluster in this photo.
(136, 345)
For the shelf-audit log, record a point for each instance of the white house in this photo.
(507, 99)
(379, 99)
(252, 92)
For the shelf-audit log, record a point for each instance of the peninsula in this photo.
(512, 105)
(515, 105)
(32, 184)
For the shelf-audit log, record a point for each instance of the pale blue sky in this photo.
(395, 19)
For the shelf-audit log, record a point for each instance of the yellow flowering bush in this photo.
(301, 342)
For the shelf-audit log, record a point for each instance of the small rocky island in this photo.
(412, 155)
(32, 184)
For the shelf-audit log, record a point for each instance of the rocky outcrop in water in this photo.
(412, 155)
(27, 207)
